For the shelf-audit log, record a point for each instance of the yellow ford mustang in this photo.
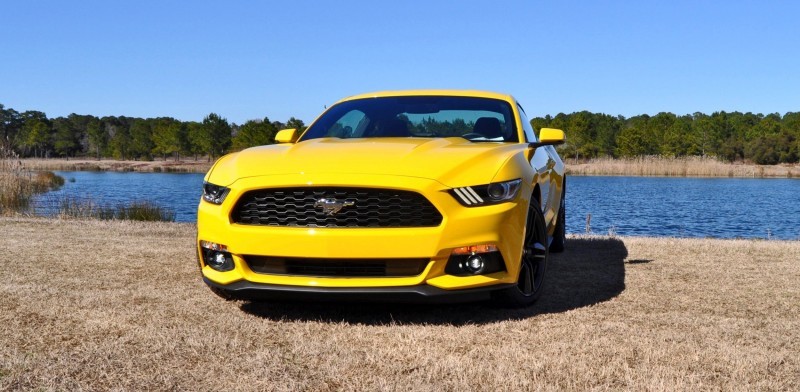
(399, 196)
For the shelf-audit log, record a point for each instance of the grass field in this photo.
(111, 305)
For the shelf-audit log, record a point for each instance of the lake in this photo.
(685, 207)
(627, 206)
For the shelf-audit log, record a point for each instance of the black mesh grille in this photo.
(335, 267)
(363, 207)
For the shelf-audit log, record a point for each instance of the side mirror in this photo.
(287, 136)
(549, 137)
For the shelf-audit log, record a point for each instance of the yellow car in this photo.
(404, 196)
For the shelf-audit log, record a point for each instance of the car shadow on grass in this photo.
(589, 272)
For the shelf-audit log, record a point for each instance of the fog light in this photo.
(218, 260)
(216, 256)
(474, 264)
(473, 260)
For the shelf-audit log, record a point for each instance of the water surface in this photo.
(179, 192)
(631, 206)
(685, 207)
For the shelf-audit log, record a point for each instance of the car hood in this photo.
(450, 161)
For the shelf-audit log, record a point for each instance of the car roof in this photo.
(446, 93)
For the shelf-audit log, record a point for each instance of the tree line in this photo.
(33, 134)
(731, 136)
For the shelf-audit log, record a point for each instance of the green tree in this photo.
(97, 136)
(791, 126)
(606, 128)
(635, 139)
(141, 140)
(10, 124)
(195, 138)
(768, 125)
(65, 137)
(580, 134)
(34, 137)
(119, 137)
(169, 136)
(293, 123)
(215, 135)
(631, 142)
(720, 130)
(677, 137)
(701, 128)
(255, 133)
(657, 128)
(80, 126)
(765, 150)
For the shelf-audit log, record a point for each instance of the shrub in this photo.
(145, 211)
(137, 210)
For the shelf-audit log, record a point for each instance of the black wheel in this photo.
(533, 264)
(560, 234)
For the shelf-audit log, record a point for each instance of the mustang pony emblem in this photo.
(332, 206)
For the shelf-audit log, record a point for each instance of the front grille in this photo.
(360, 207)
(335, 267)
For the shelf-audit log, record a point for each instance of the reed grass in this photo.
(146, 211)
(678, 167)
(18, 185)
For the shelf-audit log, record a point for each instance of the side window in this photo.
(352, 124)
(526, 125)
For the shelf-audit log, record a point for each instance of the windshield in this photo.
(474, 119)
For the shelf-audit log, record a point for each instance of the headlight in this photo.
(481, 195)
(214, 193)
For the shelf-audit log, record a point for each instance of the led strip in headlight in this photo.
(468, 195)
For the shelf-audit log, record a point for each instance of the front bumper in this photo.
(249, 291)
(501, 225)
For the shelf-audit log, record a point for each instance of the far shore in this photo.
(644, 166)
(678, 167)
(189, 165)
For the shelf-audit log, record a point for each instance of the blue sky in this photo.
(249, 59)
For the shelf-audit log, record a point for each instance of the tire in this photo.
(533, 264)
(560, 233)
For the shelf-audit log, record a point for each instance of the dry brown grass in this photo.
(187, 165)
(18, 186)
(109, 305)
(678, 167)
